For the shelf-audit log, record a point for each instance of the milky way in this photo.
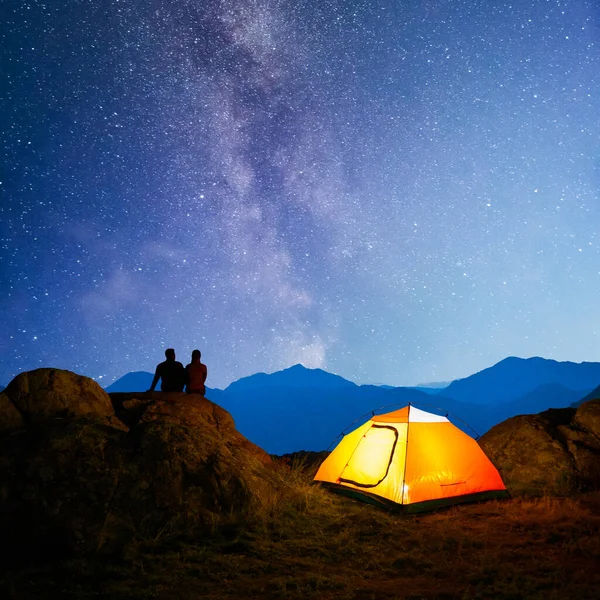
(397, 192)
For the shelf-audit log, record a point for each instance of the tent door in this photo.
(370, 463)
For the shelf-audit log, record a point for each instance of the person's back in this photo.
(171, 373)
(196, 373)
(173, 376)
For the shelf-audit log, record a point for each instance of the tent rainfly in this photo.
(411, 460)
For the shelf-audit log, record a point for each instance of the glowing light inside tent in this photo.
(370, 461)
(426, 461)
(405, 493)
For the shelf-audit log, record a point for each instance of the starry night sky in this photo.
(395, 191)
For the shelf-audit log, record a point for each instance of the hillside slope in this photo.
(515, 377)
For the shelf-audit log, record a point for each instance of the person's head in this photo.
(196, 355)
(170, 353)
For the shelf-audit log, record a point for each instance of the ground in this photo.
(311, 543)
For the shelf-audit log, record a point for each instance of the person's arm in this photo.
(155, 380)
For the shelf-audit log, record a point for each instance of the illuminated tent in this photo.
(412, 460)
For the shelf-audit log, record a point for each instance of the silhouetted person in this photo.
(171, 372)
(195, 375)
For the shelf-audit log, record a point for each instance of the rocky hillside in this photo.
(138, 495)
(83, 472)
(79, 477)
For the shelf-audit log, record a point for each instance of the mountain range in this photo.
(512, 378)
(305, 409)
(595, 393)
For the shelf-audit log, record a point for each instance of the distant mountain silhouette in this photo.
(297, 376)
(593, 395)
(306, 409)
(478, 418)
(434, 385)
(138, 381)
(513, 378)
(482, 417)
(431, 390)
(288, 418)
(550, 395)
(288, 412)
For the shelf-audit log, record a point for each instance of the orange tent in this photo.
(413, 460)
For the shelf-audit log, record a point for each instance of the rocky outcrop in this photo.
(47, 393)
(554, 452)
(10, 417)
(79, 477)
(191, 410)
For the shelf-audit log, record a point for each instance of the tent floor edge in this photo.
(362, 496)
(417, 507)
(430, 505)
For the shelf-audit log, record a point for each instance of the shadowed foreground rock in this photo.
(555, 452)
(43, 394)
(75, 478)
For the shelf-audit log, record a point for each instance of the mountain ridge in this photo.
(295, 376)
(299, 408)
(595, 393)
(514, 377)
(134, 381)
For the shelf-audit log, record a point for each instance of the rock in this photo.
(10, 417)
(181, 476)
(130, 406)
(191, 409)
(57, 481)
(180, 408)
(80, 484)
(46, 393)
(588, 417)
(554, 452)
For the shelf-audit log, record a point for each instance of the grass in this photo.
(308, 543)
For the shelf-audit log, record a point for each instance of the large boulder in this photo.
(76, 478)
(554, 452)
(57, 483)
(46, 393)
(182, 409)
(179, 407)
(10, 417)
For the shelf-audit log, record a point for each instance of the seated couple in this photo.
(174, 377)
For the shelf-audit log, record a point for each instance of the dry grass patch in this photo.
(305, 542)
